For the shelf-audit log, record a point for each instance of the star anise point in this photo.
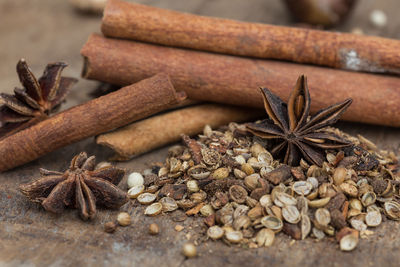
(81, 186)
(298, 134)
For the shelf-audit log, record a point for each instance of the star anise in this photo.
(296, 133)
(81, 186)
(36, 100)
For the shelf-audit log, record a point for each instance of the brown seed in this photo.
(175, 191)
(336, 202)
(110, 227)
(337, 219)
(124, 219)
(293, 230)
(279, 175)
(238, 194)
(258, 193)
(339, 175)
(154, 229)
(210, 220)
(298, 173)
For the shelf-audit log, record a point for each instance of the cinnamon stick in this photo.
(235, 80)
(148, 134)
(99, 115)
(338, 50)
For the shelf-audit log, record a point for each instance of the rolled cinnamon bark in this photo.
(97, 116)
(142, 136)
(235, 80)
(338, 50)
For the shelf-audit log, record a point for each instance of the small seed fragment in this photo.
(272, 222)
(135, 191)
(124, 219)
(146, 198)
(234, 236)
(189, 250)
(192, 186)
(207, 210)
(154, 229)
(246, 167)
(154, 209)
(322, 216)
(220, 173)
(291, 214)
(169, 204)
(373, 218)
(215, 232)
(238, 194)
(265, 237)
(348, 242)
(179, 228)
(302, 187)
(318, 203)
(339, 175)
(368, 199)
(392, 210)
(110, 227)
(305, 226)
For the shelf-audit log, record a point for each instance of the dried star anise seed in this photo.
(36, 100)
(81, 186)
(297, 133)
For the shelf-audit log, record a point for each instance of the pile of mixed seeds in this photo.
(246, 196)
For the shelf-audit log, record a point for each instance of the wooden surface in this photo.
(48, 30)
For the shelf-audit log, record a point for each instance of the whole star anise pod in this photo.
(36, 100)
(81, 186)
(296, 133)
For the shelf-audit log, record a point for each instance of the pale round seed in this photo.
(358, 225)
(146, 198)
(154, 229)
(234, 236)
(207, 210)
(135, 191)
(135, 179)
(169, 204)
(272, 222)
(313, 181)
(348, 242)
(265, 237)
(124, 219)
(322, 216)
(189, 250)
(192, 186)
(154, 209)
(266, 201)
(215, 232)
(291, 214)
(302, 187)
(373, 218)
(339, 175)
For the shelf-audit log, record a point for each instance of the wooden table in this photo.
(49, 30)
